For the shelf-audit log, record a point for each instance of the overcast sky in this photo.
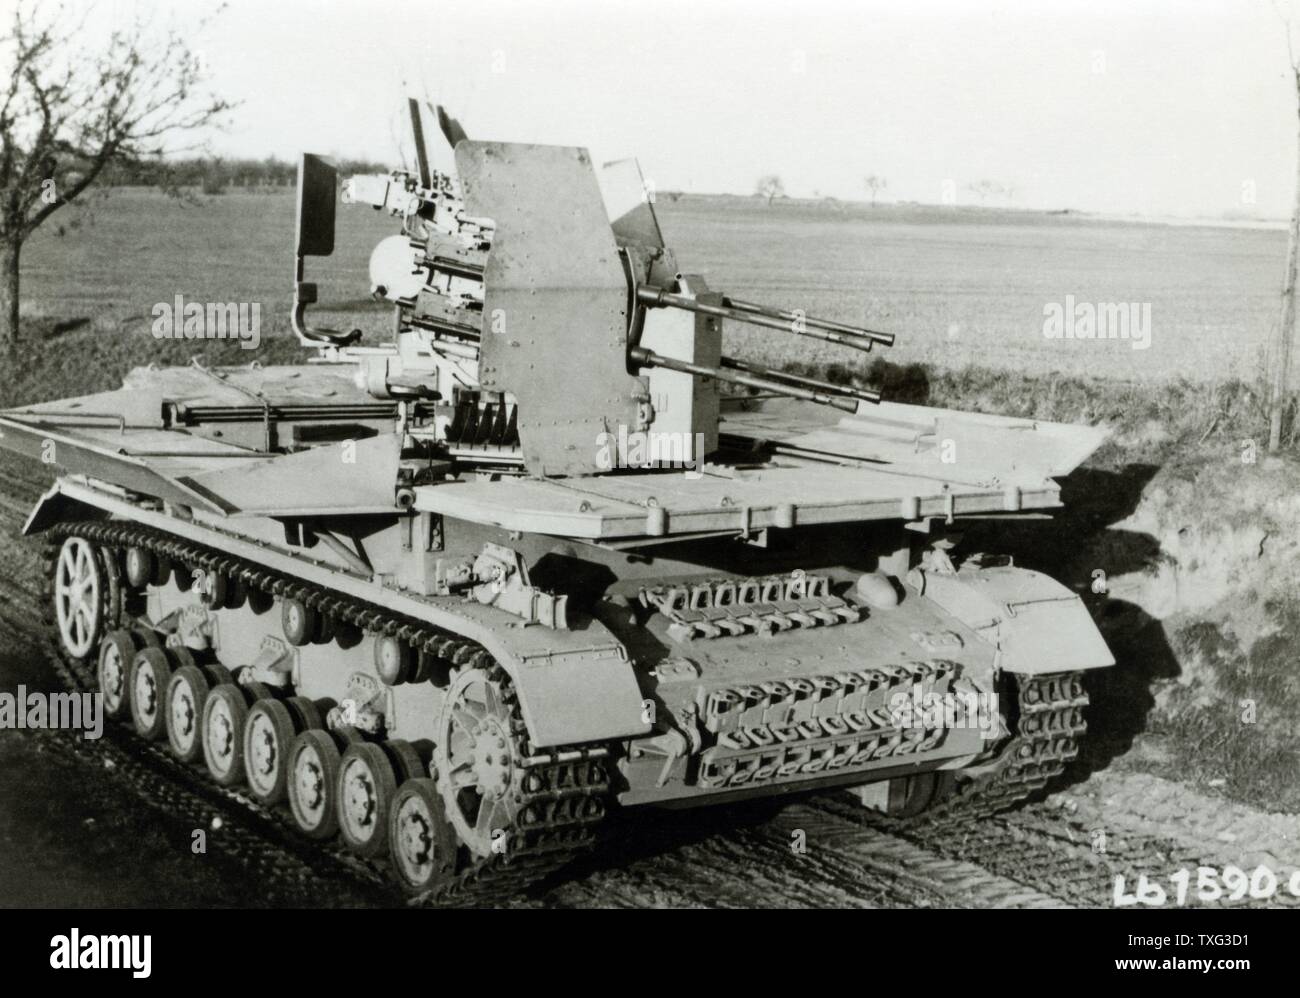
(1162, 107)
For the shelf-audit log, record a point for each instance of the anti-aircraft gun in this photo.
(451, 347)
(437, 597)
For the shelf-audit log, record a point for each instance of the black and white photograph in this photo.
(486, 454)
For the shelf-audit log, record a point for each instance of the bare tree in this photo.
(1280, 389)
(69, 110)
(770, 186)
(874, 186)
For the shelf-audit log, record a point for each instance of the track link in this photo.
(1047, 724)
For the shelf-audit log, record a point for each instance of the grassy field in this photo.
(966, 286)
(964, 290)
(959, 287)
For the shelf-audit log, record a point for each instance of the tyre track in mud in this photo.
(733, 856)
(1077, 853)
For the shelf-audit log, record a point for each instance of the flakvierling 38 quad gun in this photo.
(547, 551)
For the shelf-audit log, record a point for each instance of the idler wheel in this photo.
(150, 673)
(79, 590)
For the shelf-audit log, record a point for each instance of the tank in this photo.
(548, 551)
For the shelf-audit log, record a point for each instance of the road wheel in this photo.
(914, 795)
(366, 786)
(115, 654)
(187, 692)
(146, 637)
(313, 780)
(268, 737)
(225, 712)
(306, 715)
(79, 597)
(180, 656)
(151, 671)
(409, 761)
(907, 797)
(421, 841)
(218, 674)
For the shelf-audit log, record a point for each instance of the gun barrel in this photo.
(659, 298)
(648, 358)
(829, 325)
(862, 394)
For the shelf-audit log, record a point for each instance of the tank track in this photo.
(564, 801)
(1049, 724)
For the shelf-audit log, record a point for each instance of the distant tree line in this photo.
(216, 174)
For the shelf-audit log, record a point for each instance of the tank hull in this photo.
(874, 694)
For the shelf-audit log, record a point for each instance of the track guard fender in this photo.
(53, 508)
(574, 695)
(1036, 624)
(574, 686)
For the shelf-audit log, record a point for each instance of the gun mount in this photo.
(457, 280)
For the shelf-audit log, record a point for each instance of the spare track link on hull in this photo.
(563, 801)
(1047, 732)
